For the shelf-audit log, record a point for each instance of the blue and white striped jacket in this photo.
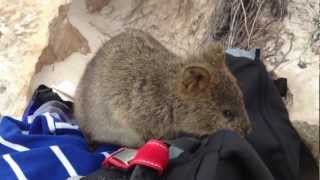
(46, 144)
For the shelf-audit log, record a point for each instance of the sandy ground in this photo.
(302, 27)
(23, 35)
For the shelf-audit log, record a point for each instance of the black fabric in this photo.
(223, 155)
(116, 174)
(44, 94)
(138, 173)
(282, 86)
(273, 150)
(273, 136)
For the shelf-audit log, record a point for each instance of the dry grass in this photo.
(235, 22)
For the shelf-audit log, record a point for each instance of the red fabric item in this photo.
(154, 154)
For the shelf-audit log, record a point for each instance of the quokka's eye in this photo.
(229, 114)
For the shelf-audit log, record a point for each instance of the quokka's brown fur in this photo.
(134, 89)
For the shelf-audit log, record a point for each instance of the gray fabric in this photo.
(174, 152)
(236, 52)
(55, 107)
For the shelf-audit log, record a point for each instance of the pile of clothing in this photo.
(46, 142)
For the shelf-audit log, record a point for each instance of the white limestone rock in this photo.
(23, 35)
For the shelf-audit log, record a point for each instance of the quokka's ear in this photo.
(214, 52)
(195, 79)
